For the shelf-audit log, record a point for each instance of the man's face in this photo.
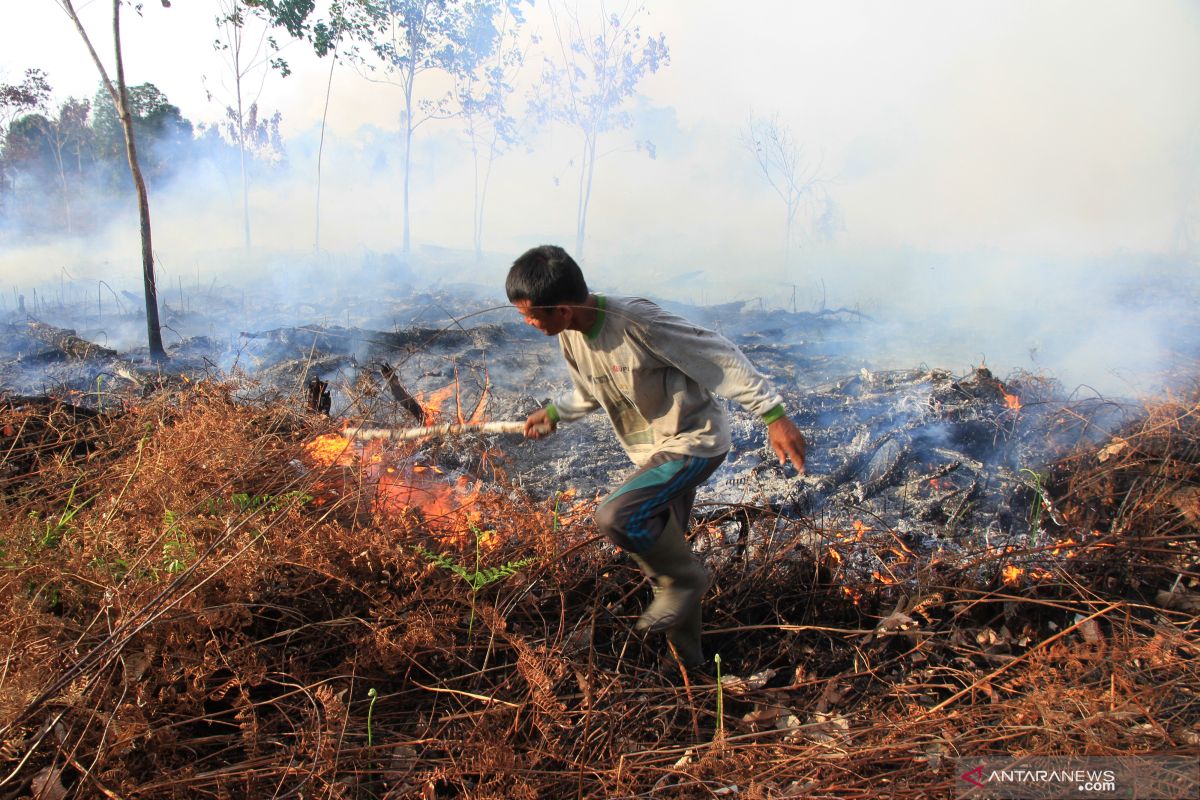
(550, 320)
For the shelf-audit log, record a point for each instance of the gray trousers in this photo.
(633, 516)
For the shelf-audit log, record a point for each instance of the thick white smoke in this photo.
(1012, 183)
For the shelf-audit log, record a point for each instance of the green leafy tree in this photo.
(74, 140)
(158, 125)
(26, 143)
(598, 62)
(31, 94)
(27, 168)
(16, 99)
(294, 16)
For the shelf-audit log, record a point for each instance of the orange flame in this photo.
(331, 449)
(1012, 401)
(1010, 573)
(433, 402)
(1064, 547)
(446, 508)
(477, 415)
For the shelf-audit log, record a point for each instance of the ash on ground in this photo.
(932, 456)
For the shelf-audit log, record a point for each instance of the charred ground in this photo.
(197, 605)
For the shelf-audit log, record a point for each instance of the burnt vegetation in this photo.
(208, 592)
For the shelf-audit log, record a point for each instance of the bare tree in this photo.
(346, 20)
(346, 25)
(482, 93)
(412, 38)
(785, 166)
(585, 86)
(250, 53)
(120, 97)
(61, 136)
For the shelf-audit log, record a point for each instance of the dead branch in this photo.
(66, 341)
(400, 394)
(511, 428)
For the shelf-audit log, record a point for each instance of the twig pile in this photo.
(193, 609)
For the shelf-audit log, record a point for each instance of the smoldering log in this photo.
(400, 394)
(319, 399)
(67, 341)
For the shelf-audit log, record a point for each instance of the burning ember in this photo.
(1012, 574)
(447, 507)
(402, 485)
(332, 449)
(435, 404)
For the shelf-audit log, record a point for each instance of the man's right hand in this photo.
(539, 424)
(787, 442)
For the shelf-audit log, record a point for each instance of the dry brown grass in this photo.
(189, 613)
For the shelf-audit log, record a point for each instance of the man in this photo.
(655, 374)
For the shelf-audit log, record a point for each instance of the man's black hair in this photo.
(546, 276)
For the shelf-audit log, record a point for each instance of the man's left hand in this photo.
(787, 442)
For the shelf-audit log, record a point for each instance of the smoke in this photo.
(692, 226)
(1014, 184)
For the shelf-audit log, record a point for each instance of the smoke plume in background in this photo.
(1013, 184)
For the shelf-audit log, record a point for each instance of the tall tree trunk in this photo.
(236, 55)
(483, 191)
(120, 98)
(477, 202)
(245, 179)
(585, 192)
(787, 232)
(321, 150)
(408, 134)
(56, 138)
(153, 329)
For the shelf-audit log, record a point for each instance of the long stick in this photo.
(515, 428)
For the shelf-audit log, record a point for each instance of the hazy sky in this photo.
(966, 146)
(1060, 126)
